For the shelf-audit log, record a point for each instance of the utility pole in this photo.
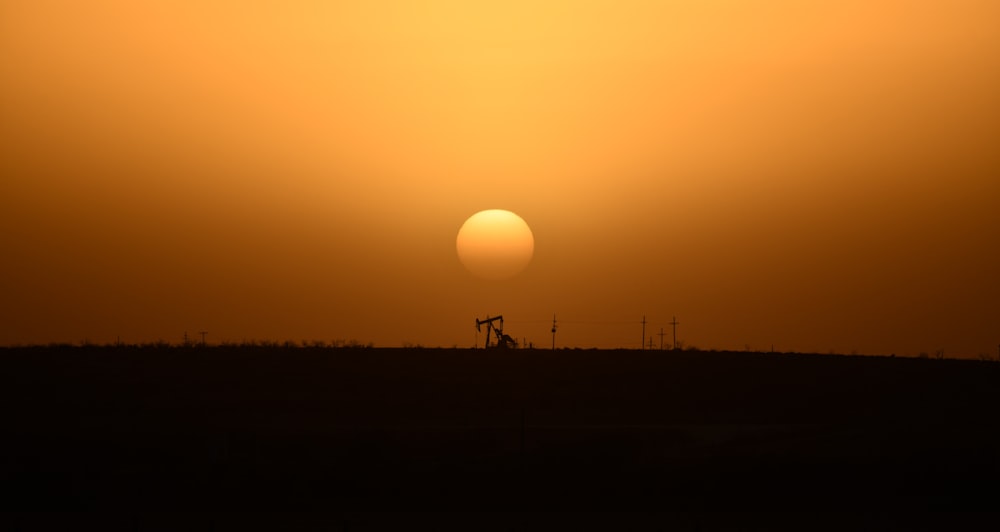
(642, 342)
(675, 324)
(661, 338)
(203, 333)
(553, 332)
(650, 343)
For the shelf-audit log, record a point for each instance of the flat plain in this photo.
(370, 429)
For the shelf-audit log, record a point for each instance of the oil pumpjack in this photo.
(503, 341)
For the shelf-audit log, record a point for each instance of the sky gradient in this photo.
(816, 176)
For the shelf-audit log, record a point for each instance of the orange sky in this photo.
(820, 176)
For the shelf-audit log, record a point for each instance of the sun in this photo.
(495, 244)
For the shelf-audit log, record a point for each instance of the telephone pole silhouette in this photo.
(553, 332)
(675, 323)
(203, 333)
(661, 338)
(642, 341)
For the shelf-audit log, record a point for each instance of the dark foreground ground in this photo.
(135, 432)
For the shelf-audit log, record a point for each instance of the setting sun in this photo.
(495, 244)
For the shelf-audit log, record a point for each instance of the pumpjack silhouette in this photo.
(503, 341)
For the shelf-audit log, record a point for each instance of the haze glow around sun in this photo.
(820, 176)
(495, 244)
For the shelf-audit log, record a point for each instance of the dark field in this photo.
(458, 430)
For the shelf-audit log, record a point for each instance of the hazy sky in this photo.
(820, 176)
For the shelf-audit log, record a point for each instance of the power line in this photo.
(589, 322)
(592, 326)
